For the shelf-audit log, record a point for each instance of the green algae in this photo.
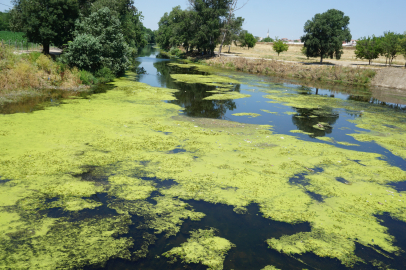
(212, 80)
(269, 111)
(229, 95)
(202, 247)
(247, 114)
(112, 131)
(301, 131)
(270, 267)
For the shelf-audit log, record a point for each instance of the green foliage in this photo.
(368, 48)
(198, 27)
(390, 46)
(280, 46)
(105, 75)
(402, 46)
(250, 40)
(175, 51)
(13, 36)
(325, 33)
(99, 43)
(87, 77)
(4, 21)
(267, 39)
(47, 22)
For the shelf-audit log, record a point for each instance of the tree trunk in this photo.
(222, 41)
(45, 48)
(369, 61)
(229, 47)
(321, 59)
(317, 91)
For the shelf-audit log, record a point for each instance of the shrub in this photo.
(99, 43)
(45, 63)
(105, 75)
(175, 51)
(87, 77)
(7, 57)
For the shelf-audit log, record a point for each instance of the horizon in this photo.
(366, 17)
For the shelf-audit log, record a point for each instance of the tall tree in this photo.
(230, 22)
(233, 31)
(4, 21)
(250, 40)
(208, 20)
(368, 48)
(325, 33)
(390, 46)
(47, 21)
(402, 46)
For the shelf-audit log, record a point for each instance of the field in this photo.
(264, 50)
(13, 36)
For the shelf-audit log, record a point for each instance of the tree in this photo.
(4, 21)
(390, 46)
(230, 21)
(280, 46)
(99, 43)
(46, 21)
(250, 40)
(325, 33)
(402, 46)
(368, 48)
(241, 38)
(233, 31)
(267, 39)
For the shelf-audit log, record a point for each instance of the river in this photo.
(204, 168)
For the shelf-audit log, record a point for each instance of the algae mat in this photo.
(128, 136)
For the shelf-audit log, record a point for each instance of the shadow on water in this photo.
(49, 98)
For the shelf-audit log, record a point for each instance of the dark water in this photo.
(248, 231)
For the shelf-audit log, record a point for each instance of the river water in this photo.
(333, 126)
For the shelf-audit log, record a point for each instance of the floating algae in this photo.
(228, 95)
(221, 164)
(269, 111)
(270, 267)
(301, 131)
(247, 114)
(213, 80)
(202, 247)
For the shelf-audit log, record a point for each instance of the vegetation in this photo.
(12, 36)
(248, 40)
(267, 39)
(47, 22)
(334, 74)
(325, 33)
(368, 48)
(199, 27)
(390, 46)
(99, 43)
(280, 46)
(4, 21)
(402, 47)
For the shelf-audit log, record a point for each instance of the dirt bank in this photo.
(390, 77)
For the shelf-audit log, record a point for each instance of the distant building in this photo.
(353, 42)
(267, 35)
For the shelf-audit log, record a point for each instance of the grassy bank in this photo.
(33, 74)
(332, 74)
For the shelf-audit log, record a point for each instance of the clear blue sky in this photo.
(286, 18)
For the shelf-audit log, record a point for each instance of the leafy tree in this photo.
(390, 46)
(99, 43)
(325, 33)
(402, 46)
(241, 38)
(250, 40)
(46, 21)
(280, 46)
(267, 39)
(233, 30)
(368, 48)
(4, 21)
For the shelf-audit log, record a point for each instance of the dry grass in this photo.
(337, 74)
(25, 75)
(264, 50)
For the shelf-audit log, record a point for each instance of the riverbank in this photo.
(34, 74)
(321, 73)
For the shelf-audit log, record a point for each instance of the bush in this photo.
(87, 77)
(99, 43)
(175, 51)
(105, 75)
(45, 63)
(7, 57)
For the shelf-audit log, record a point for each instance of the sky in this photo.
(285, 19)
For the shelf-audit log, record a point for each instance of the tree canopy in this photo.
(250, 40)
(99, 43)
(4, 21)
(197, 27)
(368, 48)
(46, 21)
(325, 33)
(280, 46)
(267, 39)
